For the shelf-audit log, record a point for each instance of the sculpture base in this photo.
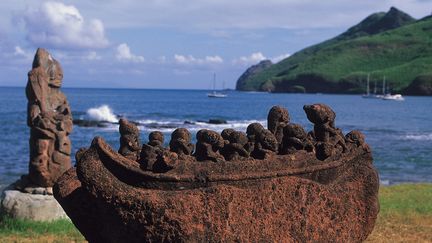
(38, 207)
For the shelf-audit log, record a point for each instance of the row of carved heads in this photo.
(281, 137)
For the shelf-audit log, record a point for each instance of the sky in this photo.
(170, 44)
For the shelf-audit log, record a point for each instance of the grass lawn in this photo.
(405, 216)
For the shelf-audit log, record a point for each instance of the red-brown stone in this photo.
(294, 197)
(50, 120)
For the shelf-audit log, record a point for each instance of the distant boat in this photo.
(389, 96)
(368, 94)
(397, 97)
(216, 94)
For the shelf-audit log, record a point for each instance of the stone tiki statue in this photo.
(50, 120)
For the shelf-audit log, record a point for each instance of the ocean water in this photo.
(399, 133)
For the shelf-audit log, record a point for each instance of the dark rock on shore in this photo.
(213, 121)
(90, 123)
(421, 85)
(253, 70)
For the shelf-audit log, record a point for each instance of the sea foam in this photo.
(419, 137)
(102, 113)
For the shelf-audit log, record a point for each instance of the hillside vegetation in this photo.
(391, 44)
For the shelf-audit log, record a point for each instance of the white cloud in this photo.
(55, 24)
(19, 52)
(253, 58)
(213, 59)
(189, 59)
(92, 56)
(215, 15)
(124, 54)
(256, 57)
(279, 58)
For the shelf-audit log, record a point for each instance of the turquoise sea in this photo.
(400, 133)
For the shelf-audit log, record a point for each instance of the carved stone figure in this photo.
(274, 196)
(129, 140)
(329, 139)
(262, 140)
(234, 148)
(358, 139)
(152, 151)
(209, 144)
(181, 142)
(50, 120)
(295, 138)
(277, 119)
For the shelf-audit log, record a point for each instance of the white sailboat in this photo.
(216, 94)
(396, 97)
(389, 96)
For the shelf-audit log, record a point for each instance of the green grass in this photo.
(406, 199)
(400, 54)
(405, 214)
(14, 229)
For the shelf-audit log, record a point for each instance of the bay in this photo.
(399, 133)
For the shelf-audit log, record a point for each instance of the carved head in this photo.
(254, 129)
(55, 72)
(210, 137)
(51, 66)
(319, 113)
(355, 137)
(226, 133)
(294, 130)
(277, 116)
(238, 137)
(268, 140)
(156, 138)
(181, 134)
(128, 127)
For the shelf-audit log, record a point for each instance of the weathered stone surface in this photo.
(181, 142)
(218, 195)
(277, 119)
(130, 144)
(235, 142)
(50, 120)
(329, 139)
(21, 205)
(209, 144)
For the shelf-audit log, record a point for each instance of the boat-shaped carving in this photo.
(277, 184)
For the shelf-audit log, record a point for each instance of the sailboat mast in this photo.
(214, 81)
(375, 87)
(367, 86)
(384, 85)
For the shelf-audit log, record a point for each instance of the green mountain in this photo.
(392, 45)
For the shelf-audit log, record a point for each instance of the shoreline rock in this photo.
(32, 203)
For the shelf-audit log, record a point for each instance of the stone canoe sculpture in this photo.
(50, 120)
(278, 184)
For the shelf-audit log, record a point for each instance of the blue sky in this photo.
(169, 43)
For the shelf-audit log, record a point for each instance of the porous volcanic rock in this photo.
(247, 192)
(50, 120)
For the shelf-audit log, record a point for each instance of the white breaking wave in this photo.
(419, 137)
(102, 113)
